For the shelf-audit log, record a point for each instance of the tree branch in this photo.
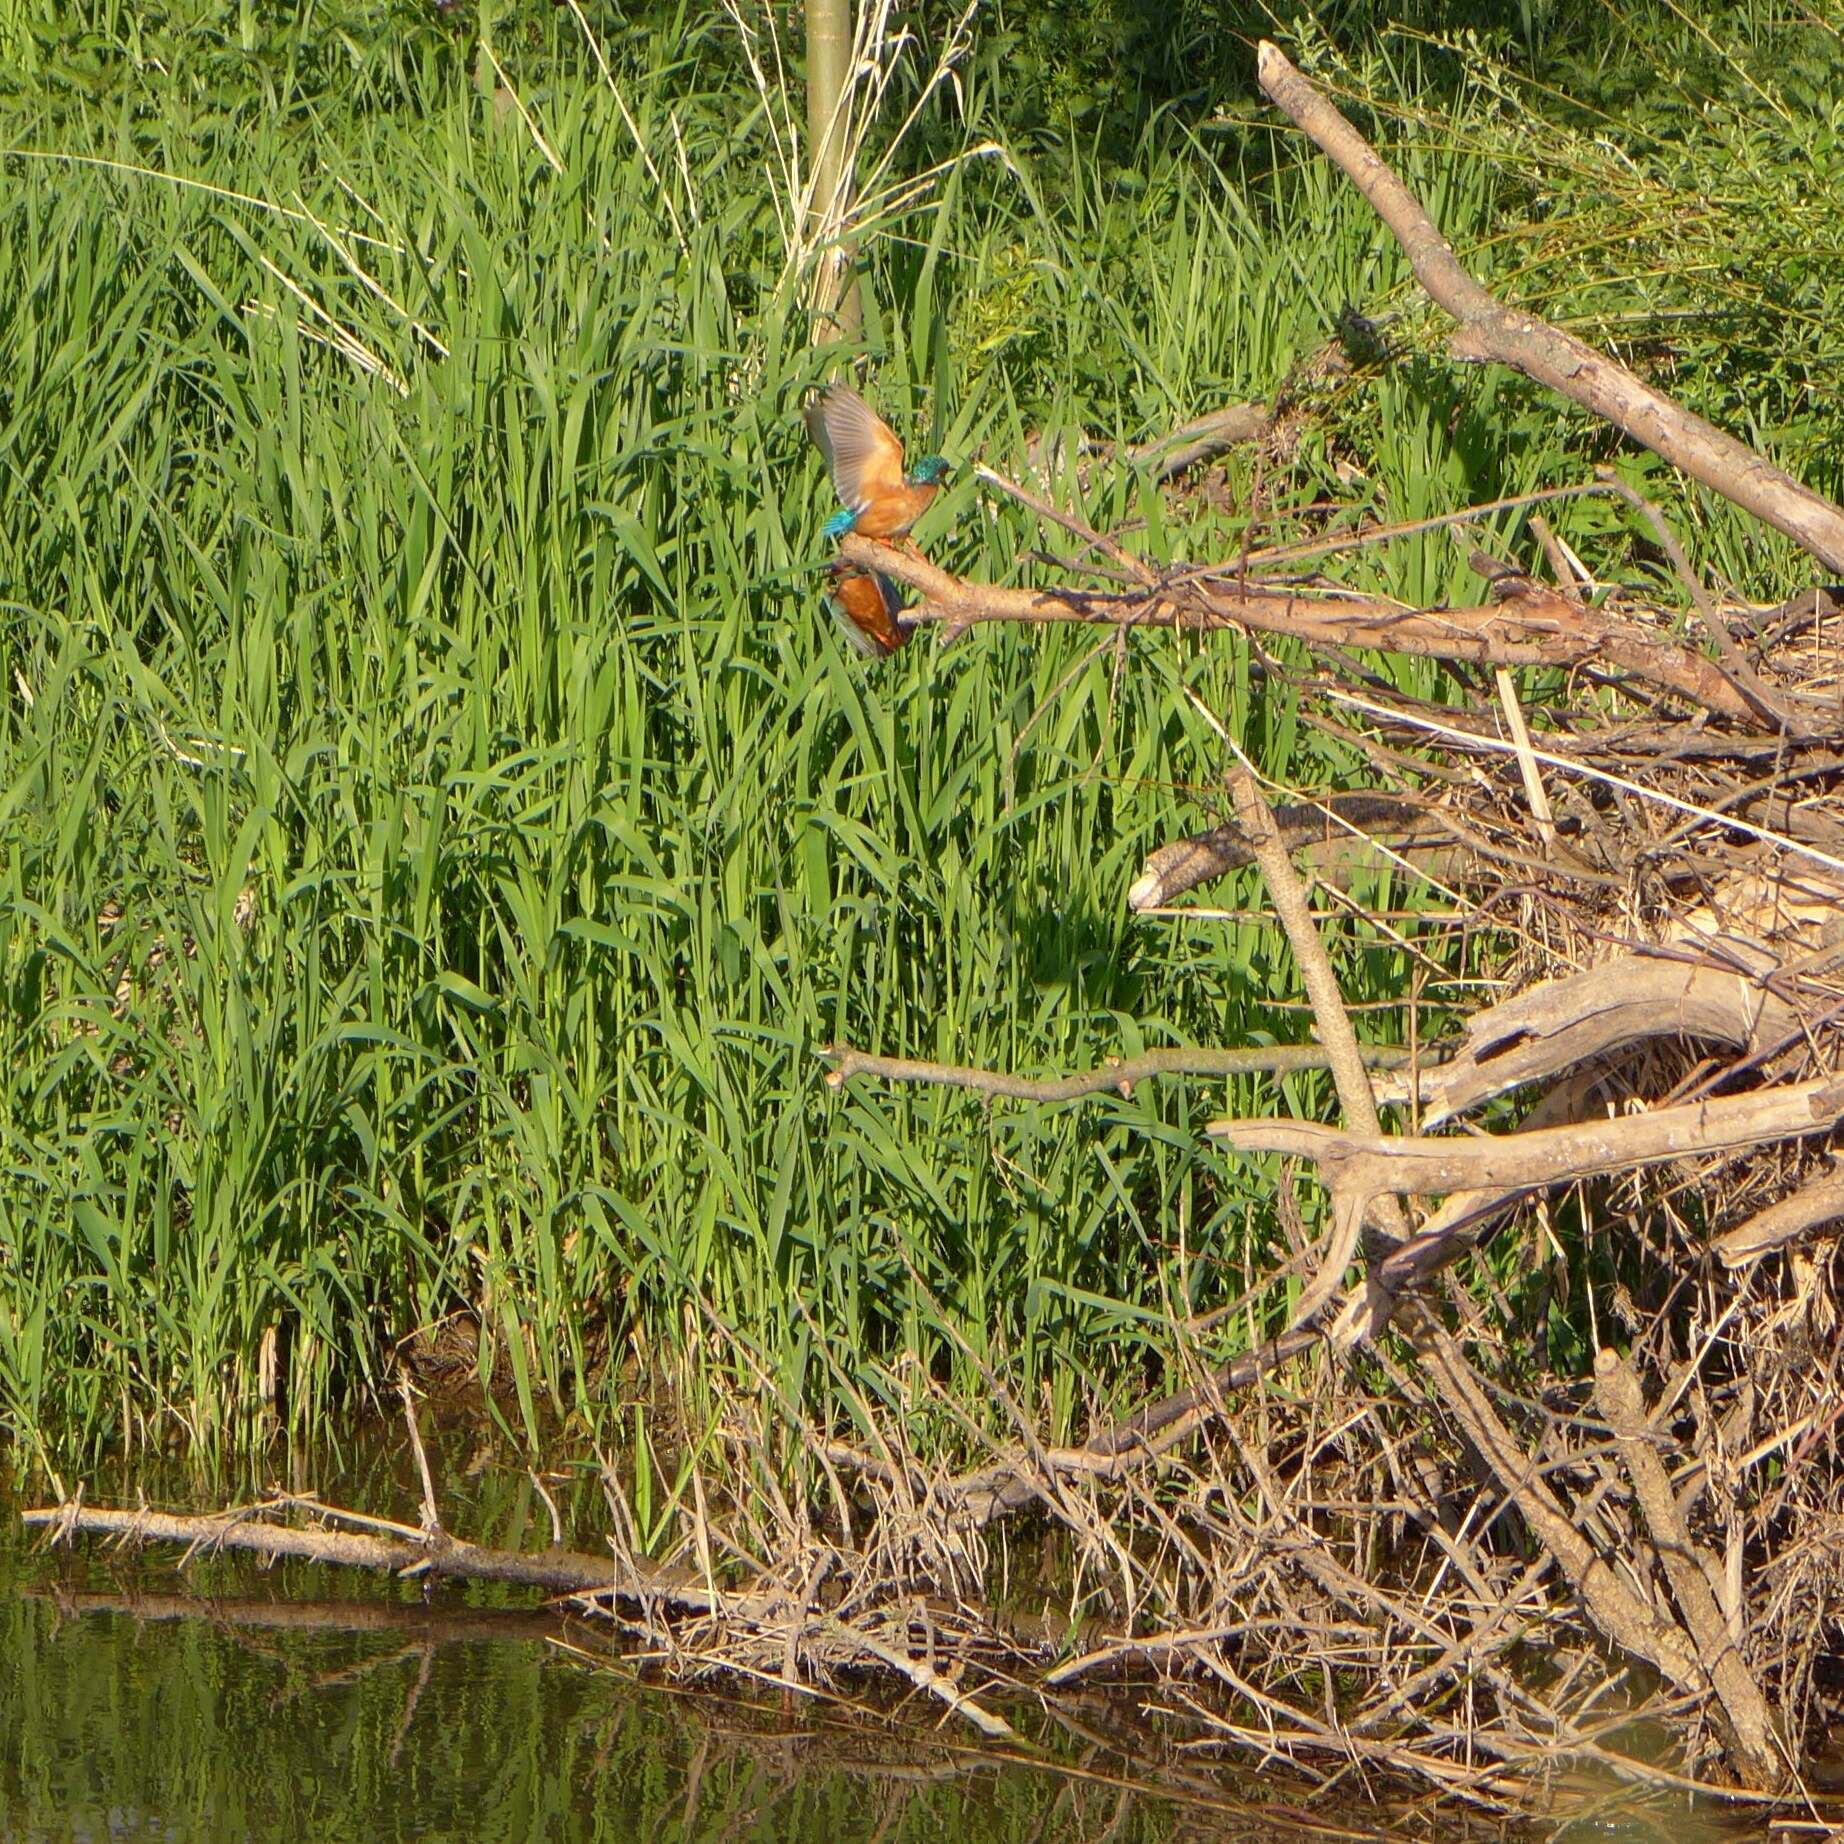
(1355, 1100)
(1197, 441)
(1490, 331)
(1406, 1164)
(1171, 870)
(1690, 1574)
(1117, 1075)
(1812, 1206)
(1561, 1023)
(255, 1528)
(1538, 630)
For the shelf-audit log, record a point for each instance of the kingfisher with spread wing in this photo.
(877, 498)
(865, 605)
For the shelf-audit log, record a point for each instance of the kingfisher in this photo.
(865, 459)
(864, 603)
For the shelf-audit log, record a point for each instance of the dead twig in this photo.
(1136, 568)
(1615, 1608)
(1348, 1073)
(1746, 680)
(1118, 1075)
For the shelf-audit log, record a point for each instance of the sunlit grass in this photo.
(437, 828)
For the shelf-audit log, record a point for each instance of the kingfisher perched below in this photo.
(864, 603)
(866, 463)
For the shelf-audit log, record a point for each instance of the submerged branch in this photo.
(255, 1528)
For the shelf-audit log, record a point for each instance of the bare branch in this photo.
(1136, 567)
(1543, 629)
(1117, 1075)
(555, 1571)
(1348, 1075)
(1692, 1576)
(1812, 1206)
(1197, 441)
(1747, 682)
(1615, 1608)
(1339, 819)
(1407, 1164)
(1490, 331)
(1560, 1023)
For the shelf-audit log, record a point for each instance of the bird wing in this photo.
(862, 452)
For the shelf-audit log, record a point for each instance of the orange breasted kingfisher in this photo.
(878, 498)
(864, 603)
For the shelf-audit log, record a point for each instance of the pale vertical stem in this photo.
(829, 56)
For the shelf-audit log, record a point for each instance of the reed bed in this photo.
(441, 837)
(438, 830)
(438, 827)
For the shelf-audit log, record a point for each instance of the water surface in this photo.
(305, 1705)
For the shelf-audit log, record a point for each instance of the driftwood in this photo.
(1691, 865)
(1560, 1023)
